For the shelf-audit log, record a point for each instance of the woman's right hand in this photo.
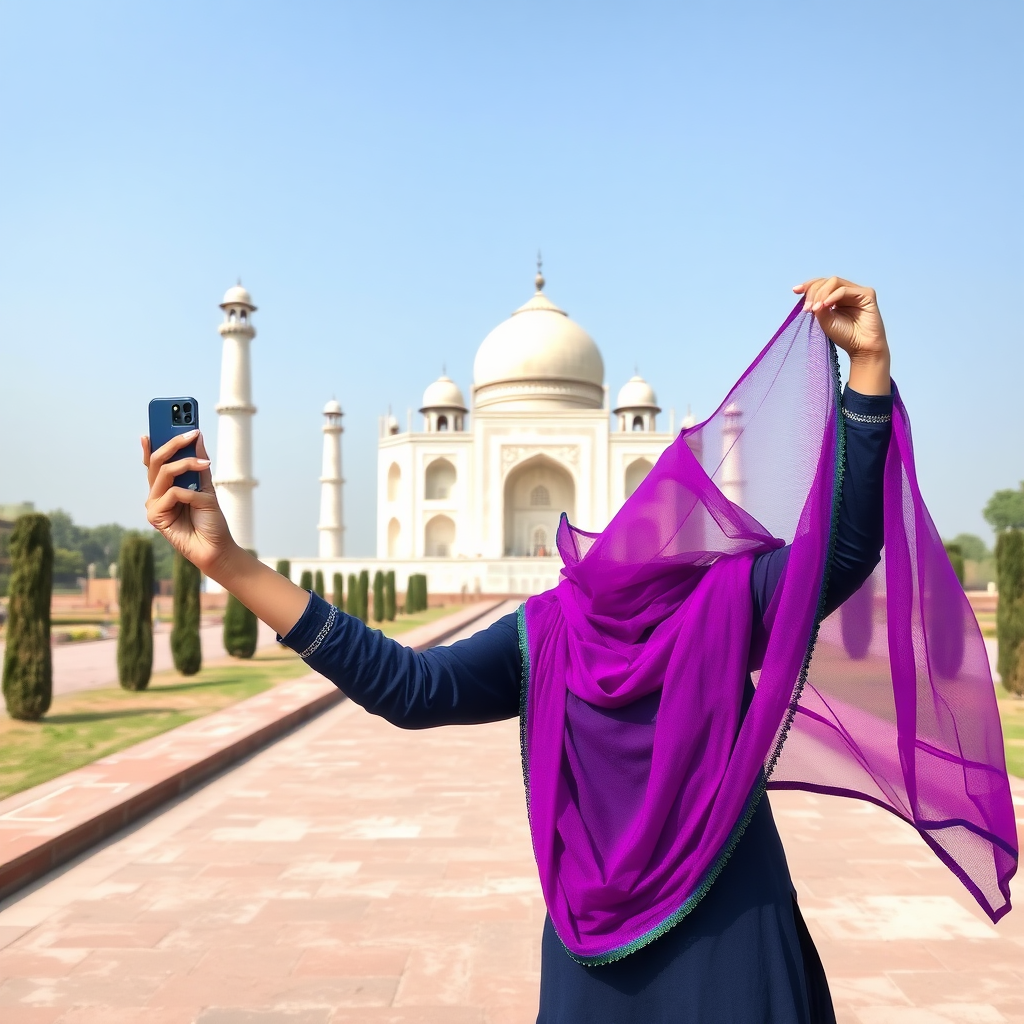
(191, 520)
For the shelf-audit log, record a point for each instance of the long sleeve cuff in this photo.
(866, 409)
(314, 626)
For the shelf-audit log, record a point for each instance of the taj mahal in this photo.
(473, 498)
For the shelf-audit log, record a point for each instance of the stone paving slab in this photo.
(902, 941)
(48, 824)
(354, 872)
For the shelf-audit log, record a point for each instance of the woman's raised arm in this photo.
(194, 524)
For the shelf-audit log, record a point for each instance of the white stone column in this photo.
(731, 475)
(233, 478)
(332, 512)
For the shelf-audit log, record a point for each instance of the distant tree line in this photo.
(374, 602)
(75, 548)
(27, 680)
(972, 561)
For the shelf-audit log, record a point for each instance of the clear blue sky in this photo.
(381, 175)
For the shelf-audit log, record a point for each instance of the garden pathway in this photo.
(353, 872)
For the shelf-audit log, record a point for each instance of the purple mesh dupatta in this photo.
(641, 769)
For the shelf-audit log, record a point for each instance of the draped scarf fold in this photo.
(641, 766)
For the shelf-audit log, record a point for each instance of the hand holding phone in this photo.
(169, 417)
(182, 503)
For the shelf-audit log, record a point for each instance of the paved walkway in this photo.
(92, 664)
(355, 872)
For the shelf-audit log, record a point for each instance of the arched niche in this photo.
(635, 473)
(439, 481)
(394, 481)
(541, 544)
(439, 537)
(526, 512)
(394, 535)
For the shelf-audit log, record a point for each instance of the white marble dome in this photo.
(636, 393)
(236, 295)
(444, 393)
(332, 408)
(538, 358)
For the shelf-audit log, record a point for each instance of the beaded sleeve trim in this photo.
(860, 417)
(322, 635)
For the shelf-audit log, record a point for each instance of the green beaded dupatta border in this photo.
(758, 790)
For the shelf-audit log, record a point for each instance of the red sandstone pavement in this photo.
(355, 872)
(43, 827)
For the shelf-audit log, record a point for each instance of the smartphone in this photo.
(169, 417)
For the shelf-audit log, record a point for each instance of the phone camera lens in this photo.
(188, 417)
(188, 407)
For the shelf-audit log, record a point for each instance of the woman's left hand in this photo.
(848, 314)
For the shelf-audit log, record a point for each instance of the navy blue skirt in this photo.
(744, 955)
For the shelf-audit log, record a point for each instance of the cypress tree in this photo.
(28, 674)
(284, 567)
(378, 596)
(185, 646)
(412, 597)
(364, 595)
(241, 628)
(337, 592)
(389, 596)
(306, 580)
(135, 597)
(352, 601)
(318, 583)
(1010, 610)
(416, 593)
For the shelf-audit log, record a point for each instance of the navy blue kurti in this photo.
(743, 954)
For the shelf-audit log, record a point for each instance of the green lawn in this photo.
(406, 622)
(987, 622)
(82, 727)
(1011, 711)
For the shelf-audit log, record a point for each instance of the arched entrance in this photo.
(439, 537)
(635, 473)
(536, 495)
(440, 480)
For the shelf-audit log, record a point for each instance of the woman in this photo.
(646, 746)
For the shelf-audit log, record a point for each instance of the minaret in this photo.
(332, 513)
(732, 470)
(233, 479)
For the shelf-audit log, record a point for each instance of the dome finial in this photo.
(539, 279)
